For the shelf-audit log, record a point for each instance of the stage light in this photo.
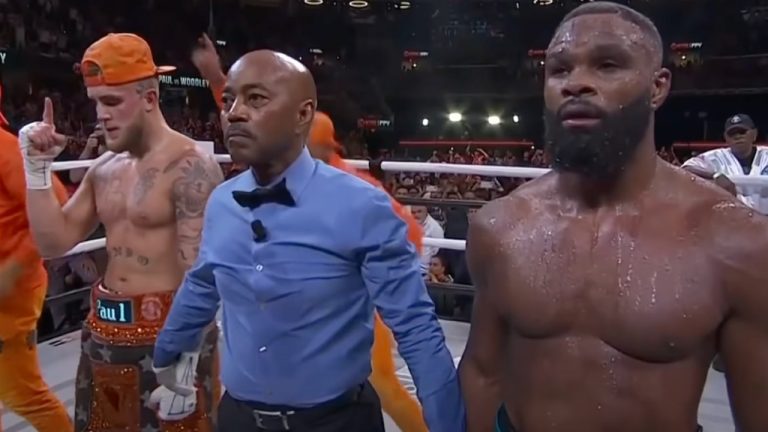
(494, 120)
(515, 118)
(313, 2)
(425, 122)
(455, 117)
(405, 5)
(358, 4)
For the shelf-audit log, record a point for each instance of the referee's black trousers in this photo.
(357, 410)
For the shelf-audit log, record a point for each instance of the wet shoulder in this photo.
(730, 227)
(520, 203)
(500, 220)
(699, 199)
(688, 183)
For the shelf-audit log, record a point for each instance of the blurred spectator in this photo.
(431, 229)
(438, 271)
(95, 146)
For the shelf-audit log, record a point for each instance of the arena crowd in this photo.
(61, 29)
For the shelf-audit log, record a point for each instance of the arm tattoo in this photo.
(196, 178)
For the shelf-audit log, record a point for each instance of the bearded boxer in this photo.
(23, 287)
(149, 190)
(322, 144)
(298, 254)
(605, 287)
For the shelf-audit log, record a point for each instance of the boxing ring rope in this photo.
(94, 244)
(418, 167)
(435, 168)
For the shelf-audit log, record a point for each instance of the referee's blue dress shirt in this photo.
(298, 308)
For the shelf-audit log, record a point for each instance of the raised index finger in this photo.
(48, 111)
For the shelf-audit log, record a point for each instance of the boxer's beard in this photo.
(603, 152)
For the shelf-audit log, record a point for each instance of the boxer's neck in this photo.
(634, 179)
(154, 135)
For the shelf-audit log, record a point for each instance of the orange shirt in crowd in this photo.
(415, 233)
(16, 236)
(323, 134)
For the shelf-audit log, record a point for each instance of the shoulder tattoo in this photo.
(196, 177)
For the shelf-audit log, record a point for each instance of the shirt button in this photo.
(262, 349)
(259, 267)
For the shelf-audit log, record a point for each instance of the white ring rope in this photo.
(437, 168)
(420, 167)
(91, 245)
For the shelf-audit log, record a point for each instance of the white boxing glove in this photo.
(176, 398)
(40, 144)
(36, 167)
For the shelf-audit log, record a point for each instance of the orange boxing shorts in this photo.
(115, 376)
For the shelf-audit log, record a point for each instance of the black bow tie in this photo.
(278, 194)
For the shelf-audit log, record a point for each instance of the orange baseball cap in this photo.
(322, 132)
(119, 58)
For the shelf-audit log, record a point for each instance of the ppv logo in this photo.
(115, 311)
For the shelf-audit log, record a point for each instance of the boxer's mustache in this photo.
(580, 108)
(234, 130)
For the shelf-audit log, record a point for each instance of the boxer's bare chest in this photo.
(640, 281)
(132, 192)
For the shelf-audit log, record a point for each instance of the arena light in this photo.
(455, 117)
(515, 118)
(314, 2)
(425, 122)
(405, 5)
(494, 120)
(358, 4)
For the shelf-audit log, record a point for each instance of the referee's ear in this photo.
(305, 115)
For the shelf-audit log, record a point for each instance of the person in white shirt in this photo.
(741, 157)
(431, 229)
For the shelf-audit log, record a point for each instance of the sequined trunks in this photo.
(115, 378)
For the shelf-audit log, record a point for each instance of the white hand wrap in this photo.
(36, 168)
(176, 398)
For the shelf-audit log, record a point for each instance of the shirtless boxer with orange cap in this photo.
(395, 399)
(149, 190)
(23, 286)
